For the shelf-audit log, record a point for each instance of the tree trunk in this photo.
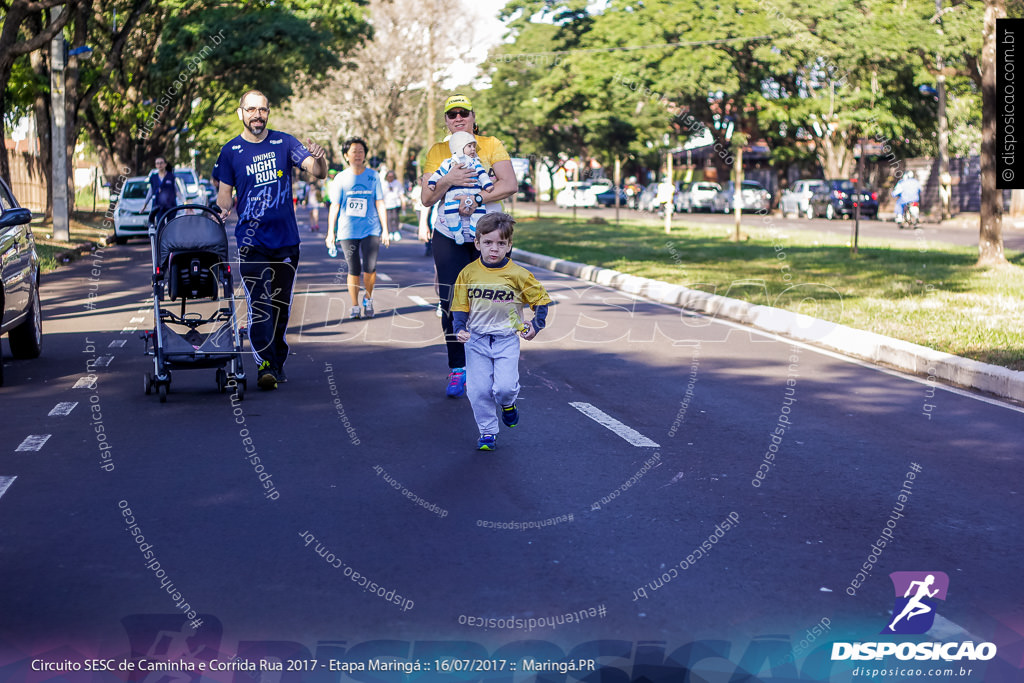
(42, 113)
(990, 239)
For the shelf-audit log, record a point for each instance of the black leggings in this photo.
(450, 259)
(369, 246)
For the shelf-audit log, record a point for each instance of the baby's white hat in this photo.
(458, 141)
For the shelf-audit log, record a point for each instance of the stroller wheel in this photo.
(162, 390)
(222, 380)
(239, 394)
(148, 381)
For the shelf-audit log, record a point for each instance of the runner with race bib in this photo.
(355, 221)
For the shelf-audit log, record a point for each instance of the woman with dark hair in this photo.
(357, 221)
(165, 189)
(450, 258)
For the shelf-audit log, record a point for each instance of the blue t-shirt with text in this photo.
(354, 203)
(261, 173)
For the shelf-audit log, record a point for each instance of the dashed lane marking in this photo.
(104, 361)
(604, 419)
(420, 301)
(33, 442)
(117, 344)
(62, 409)
(5, 483)
(87, 382)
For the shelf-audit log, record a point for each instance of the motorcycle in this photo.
(911, 216)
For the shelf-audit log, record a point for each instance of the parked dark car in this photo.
(839, 197)
(20, 317)
(607, 198)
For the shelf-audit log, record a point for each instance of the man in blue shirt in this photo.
(257, 165)
(907, 190)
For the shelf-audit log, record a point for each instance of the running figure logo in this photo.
(916, 596)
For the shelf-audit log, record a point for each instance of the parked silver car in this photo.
(795, 201)
(753, 197)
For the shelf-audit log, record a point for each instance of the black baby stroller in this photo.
(190, 263)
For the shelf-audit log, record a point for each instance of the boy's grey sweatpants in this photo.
(492, 376)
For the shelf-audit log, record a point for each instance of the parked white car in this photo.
(130, 219)
(577, 193)
(699, 196)
(795, 201)
(194, 193)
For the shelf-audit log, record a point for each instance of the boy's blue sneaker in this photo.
(456, 383)
(510, 415)
(486, 443)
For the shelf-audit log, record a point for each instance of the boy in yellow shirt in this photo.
(487, 309)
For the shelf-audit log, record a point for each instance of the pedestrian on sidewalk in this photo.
(450, 258)
(257, 165)
(357, 220)
(488, 317)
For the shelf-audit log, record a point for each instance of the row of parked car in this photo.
(808, 198)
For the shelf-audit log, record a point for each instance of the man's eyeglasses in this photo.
(452, 113)
(253, 110)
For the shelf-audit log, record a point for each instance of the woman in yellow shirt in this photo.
(450, 258)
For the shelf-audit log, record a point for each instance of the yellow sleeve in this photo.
(491, 151)
(460, 295)
(437, 154)
(533, 292)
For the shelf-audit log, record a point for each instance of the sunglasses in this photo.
(452, 113)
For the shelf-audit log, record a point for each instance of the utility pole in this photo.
(58, 136)
(669, 205)
(943, 125)
(857, 198)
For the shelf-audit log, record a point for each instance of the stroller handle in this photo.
(170, 213)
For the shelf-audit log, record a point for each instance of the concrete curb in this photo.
(868, 346)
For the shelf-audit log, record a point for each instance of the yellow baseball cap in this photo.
(457, 101)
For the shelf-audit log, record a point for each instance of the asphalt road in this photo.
(385, 536)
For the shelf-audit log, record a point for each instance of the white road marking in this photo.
(32, 442)
(383, 277)
(104, 361)
(117, 344)
(87, 382)
(5, 483)
(602, 418)
(137, 320)
(128, 330)
(62, 409)
(420, 301)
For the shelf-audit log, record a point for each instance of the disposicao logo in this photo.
(913, 613)
(916, 597)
